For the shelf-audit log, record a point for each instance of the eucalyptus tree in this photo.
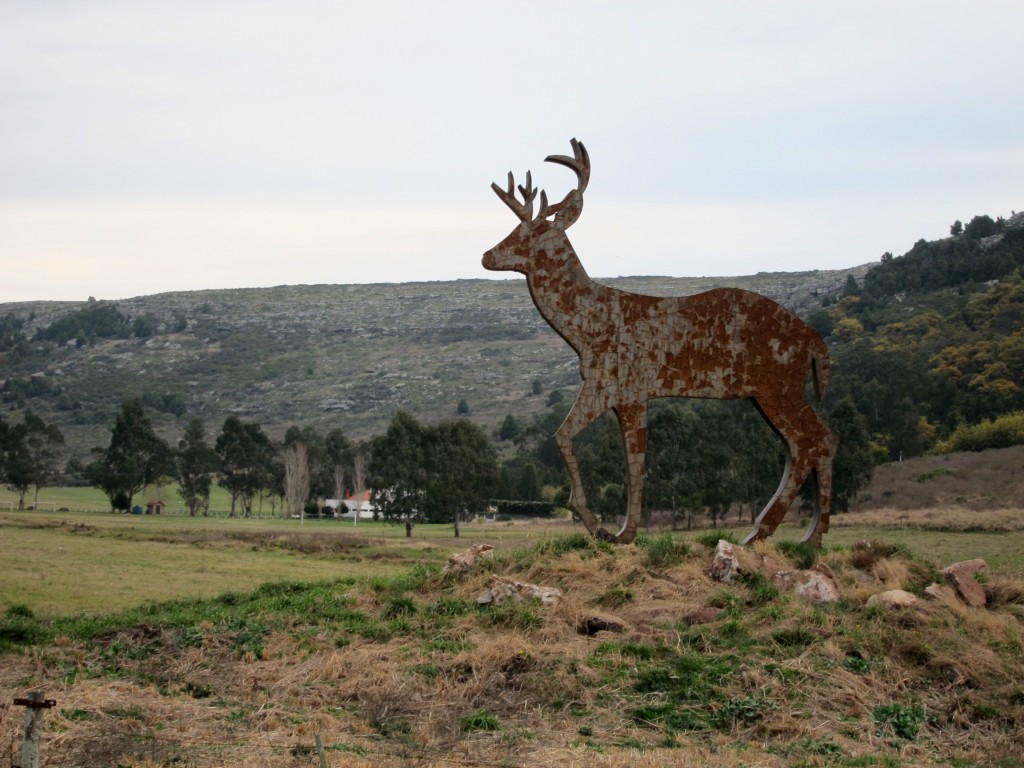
(29, 452)
(135, 457)
(462, 471)
(245, 454)
(398, 471)
(195, 464)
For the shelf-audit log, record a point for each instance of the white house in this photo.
(357, 506)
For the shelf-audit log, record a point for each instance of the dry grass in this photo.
(420, 676)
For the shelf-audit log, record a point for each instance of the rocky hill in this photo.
(333, 356)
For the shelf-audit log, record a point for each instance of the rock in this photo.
(704, 615)
(501, 590)
(936, 592)
(962, 577)
(893, 598)
(462, 562)
(591, 625)
(725, 565)
(815, 586)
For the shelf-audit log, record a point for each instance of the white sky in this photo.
(157, 146)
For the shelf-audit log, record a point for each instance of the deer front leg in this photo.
(587, 407)
(633, 421)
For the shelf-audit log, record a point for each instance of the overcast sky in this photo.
(159, 146)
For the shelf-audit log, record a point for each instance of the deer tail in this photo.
(821, 367)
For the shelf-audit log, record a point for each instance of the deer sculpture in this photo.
(724, 343)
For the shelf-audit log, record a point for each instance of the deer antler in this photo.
(579, 163)
(523, 210)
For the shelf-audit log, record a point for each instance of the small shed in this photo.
(155, 507)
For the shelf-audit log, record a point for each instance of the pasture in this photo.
(73, 562)
(169, 640)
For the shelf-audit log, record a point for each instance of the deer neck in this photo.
(562, 290)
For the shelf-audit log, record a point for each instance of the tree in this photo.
(462, 471)
(957, 229)
(397, 468)
(29, 451)
(853, 465)
(320, 469)
(296, 477)
(246, 454)
(135, 457)
(195, 466)
(340, 461)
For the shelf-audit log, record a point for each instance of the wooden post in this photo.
(320, 752)
(34, 705)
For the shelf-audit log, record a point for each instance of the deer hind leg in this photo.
(800, 430)
(824, 454)
(633, 421)
(588, 406)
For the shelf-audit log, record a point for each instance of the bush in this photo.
(1001, 432)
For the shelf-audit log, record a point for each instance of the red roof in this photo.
(361, 496)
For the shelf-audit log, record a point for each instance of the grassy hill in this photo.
(644, 660)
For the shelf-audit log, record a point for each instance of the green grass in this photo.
(53, 562)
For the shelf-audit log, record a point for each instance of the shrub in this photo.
(711, 538)
(663, 551)
(904, 721)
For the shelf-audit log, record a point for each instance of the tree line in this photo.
(706, 458)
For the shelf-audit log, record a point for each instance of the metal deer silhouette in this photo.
(725, 343)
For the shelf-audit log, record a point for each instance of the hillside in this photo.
(333, 356)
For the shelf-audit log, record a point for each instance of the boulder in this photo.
(704, 615)
(462, 562)
(817, 585)
(893, 598)
(591, 625)
(501, 590)
(725, 564)
(936, 592)
(962, 577)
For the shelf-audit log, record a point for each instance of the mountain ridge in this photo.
(327, 355)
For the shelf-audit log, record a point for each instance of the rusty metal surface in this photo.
(725, 343)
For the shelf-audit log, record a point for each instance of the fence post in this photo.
(34, 705)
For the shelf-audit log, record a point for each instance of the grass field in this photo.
(370, 648)
(74, 562)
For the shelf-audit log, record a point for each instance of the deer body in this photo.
(724, 344)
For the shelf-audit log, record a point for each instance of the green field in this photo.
(61, 563)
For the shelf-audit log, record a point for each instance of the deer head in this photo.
(546, 229)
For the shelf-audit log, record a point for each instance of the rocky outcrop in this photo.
(501, 590)
(962, 577)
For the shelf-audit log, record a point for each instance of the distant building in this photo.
(155, 507)
(357, 506)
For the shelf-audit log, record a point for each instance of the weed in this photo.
(761, 590)
(795, 637)
(429, 671)
(522, 616)
(803, 555)
(615, 597)
(742, 710)
(904, 721)
(76, 714)
(19, 611)
(450, 606)
(392, 729)
(481, 720)
(663, 551)
(711, 538)
(401, 605)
